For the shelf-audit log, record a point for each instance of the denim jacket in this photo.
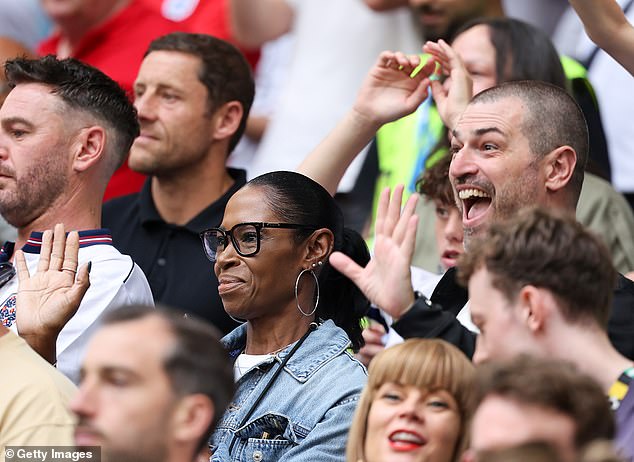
(307, 412)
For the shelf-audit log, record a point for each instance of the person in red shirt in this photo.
(111, 35)
(204, 17)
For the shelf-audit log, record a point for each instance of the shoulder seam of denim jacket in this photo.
(352, 357)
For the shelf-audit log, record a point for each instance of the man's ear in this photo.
(534, 307)
(560, 165)
(320, 244)
(88, 148)
(192, 418)
(226, 120)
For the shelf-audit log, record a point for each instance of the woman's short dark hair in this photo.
(295, 198)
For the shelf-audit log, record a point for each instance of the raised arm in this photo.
(389, 92)
(254, 22)
(608, 27)
(453, 95)
(386, 280)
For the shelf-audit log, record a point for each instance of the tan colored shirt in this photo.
(34, 398)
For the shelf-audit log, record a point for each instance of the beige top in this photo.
(34, 398)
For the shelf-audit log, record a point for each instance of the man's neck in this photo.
(76, 213)
(591, 351)
(180, 198)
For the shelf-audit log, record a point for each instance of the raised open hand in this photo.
(47, 299)
(389, 91)
(386, 279)
(454, 95)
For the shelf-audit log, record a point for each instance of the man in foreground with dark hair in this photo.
(193, 94)
(65, 127)
(541, 284)
(155, 400)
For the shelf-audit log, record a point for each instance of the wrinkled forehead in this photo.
(504, 116)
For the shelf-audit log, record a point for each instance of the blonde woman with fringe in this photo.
(416, 406)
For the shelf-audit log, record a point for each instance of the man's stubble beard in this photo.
(33, 195)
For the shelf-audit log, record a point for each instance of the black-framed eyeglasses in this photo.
(245, 238)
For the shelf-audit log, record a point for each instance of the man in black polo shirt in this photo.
(193, 94)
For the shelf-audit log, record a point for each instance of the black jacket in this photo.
(439, 319)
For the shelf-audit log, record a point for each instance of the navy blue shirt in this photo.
(172, 256)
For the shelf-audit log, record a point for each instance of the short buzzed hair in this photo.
(554, 385)
(552, 119)
(83, 88)
(550, 250)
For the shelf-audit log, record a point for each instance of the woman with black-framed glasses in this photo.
(297, 382)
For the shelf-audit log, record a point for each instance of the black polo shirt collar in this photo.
(149, 216)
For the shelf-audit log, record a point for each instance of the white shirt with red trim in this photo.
(115, 281)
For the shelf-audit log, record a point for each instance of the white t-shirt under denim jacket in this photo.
(306, 413)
